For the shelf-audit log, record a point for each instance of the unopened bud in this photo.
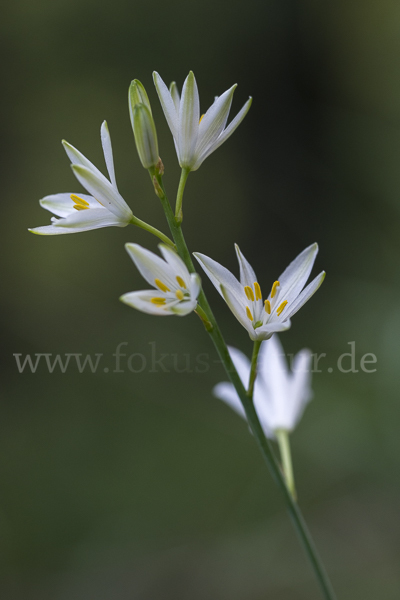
(145, 134)
(137, 95)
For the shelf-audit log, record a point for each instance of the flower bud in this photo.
(137, 95)
(145, 136)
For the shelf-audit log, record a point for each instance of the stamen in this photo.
(161, 286)
(281, 307)
(181, 282)
(158, 300)
(258, 290)
(179, 294)
(248, 313)
(201, 119)
(249, 293)
(273, 291)
(267, 306)
(80, 203)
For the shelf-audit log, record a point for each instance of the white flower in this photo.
(176, 290)
(105, 206)
(280, 395)
(264, 318)
(196, 138)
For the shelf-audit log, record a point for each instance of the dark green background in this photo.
(143, 486)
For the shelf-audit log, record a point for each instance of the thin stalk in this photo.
(153, 230)
(253, 369)
(179, 196)
(252, 418)
(282, 437)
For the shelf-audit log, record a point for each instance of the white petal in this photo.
(167, 104)
(176, 264)
(103, 191)
(77, 158)
(295, 276)
(242, 364)
(173, 90)
(83, 220)
(194, 285)
(189, 116)
(214, 121)
(273, 371)
(238, 308)
(141, 300)
(266, 331)
(184, 307)
(218, 274)
(151, 266)
(62, 205)
(229, 130)
(300, 392)
(247, 275)
(305, 295)
(108, 153)
(225, 391)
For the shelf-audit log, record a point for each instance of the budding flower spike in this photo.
(105, 207)
(262, 318)
(195, 136)
(280, 394)
(143, 125)
(176, 290)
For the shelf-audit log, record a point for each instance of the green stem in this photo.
(282, 437)
(179, 196)
(252, 418)
(153, 230)
(253, 369)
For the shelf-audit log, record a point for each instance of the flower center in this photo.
(180, 294)
(254, 314)
(80, 203)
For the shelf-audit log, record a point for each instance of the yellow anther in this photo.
(258, 290)
(80, 203)
(181, 282)
(201, 119)
(249, 292)
(267, 305)
(248, 313)
(179, 294)
(161, 286)
(281, 307)
(273, 291)
(158, 300)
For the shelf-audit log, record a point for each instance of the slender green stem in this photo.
(253, 369)
(282, 437)
(153, 230)
(252, 418)
(179, 196)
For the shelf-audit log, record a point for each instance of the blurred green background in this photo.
(143, 486)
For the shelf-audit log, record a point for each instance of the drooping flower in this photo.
(280, 394)
(176, 290)
(262, 318)
(78, 212)
(195, 136)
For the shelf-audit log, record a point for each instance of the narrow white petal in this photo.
(184, 307)
(189, 116)
(62, 205)
(226, 392)
(194, 286)
(214, 121)
(103, 191)
(242, 364)
(141, 300)
(83, 220)
(295, 276)
(238, 308)
(173, 90)
(266, 331)
(152, 267)
(108, 153)
(218, 274)
(247, 275)
(77, 158)
(300, 391)
(273, 371)
(228, 131)
(167, 104)
(176, 264)
(305, 295)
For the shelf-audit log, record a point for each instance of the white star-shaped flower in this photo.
(176, 290)
(262, 318)
(280, 394)
(196, 137)
(105, 207)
